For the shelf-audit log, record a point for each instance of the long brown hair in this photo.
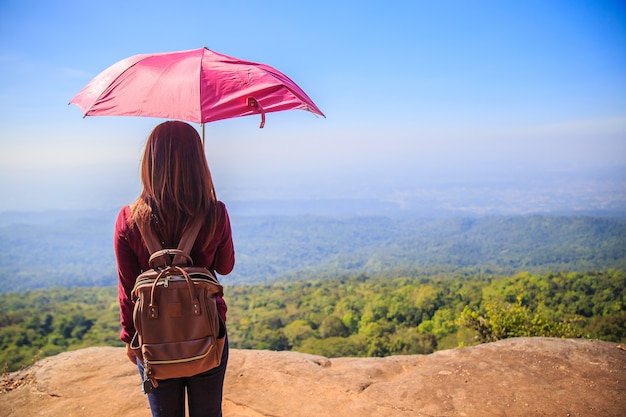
(177, 183)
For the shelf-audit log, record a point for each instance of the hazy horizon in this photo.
(562, 193)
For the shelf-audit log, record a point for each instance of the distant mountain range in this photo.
(74, 248)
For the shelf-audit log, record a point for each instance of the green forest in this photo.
(77, 250)
(352, 315)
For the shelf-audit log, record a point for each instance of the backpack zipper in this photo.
(193, 358)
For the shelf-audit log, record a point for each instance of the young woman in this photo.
(177, 189)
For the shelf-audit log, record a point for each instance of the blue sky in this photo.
(416, 93)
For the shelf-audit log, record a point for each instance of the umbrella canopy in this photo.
(198, 86)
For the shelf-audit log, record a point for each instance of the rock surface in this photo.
(512, 378)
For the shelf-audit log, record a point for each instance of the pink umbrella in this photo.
(197, 86)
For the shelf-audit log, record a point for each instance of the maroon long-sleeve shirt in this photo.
(132, 259)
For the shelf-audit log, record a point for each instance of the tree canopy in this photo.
(352, 315)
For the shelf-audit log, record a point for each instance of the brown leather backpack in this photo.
(178, 329)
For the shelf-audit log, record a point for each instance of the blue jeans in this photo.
(204, 393)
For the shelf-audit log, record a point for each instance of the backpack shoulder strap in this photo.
(187, 240)
(185, 245)
(149, 238)
(151, 241)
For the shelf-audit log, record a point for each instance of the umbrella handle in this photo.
(252, 102)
